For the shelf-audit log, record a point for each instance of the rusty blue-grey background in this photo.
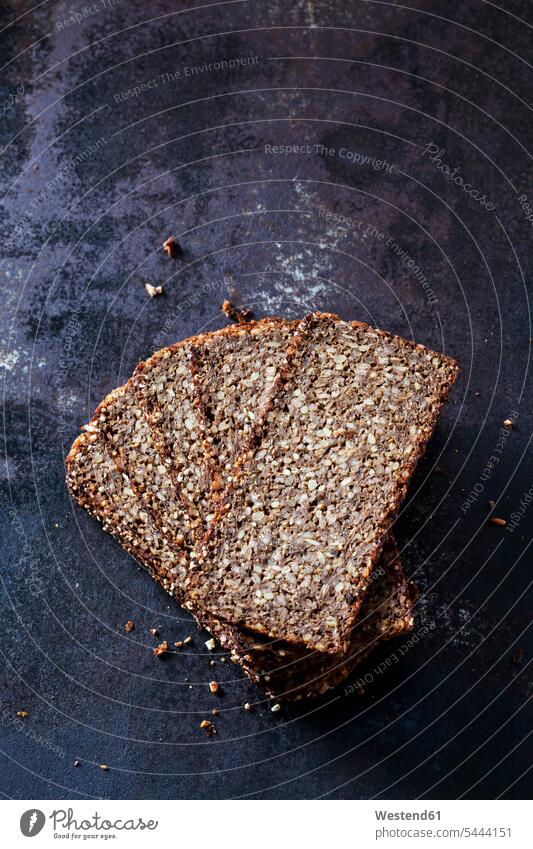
(124, 122)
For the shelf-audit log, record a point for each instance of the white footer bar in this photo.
(266, 824)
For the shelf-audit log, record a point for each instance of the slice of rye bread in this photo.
(120, 421)
(107, 494)
(312, 497)
(230, 374)
(232, 377)
(386, 612)
(170, 398)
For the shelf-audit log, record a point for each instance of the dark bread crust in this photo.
(207, 586)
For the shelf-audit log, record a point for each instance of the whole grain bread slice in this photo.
(107, 494)
(312, 497)
(117, 432)
(119, 420)
(232, 374)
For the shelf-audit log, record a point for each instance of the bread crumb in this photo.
(239, 314)
(104, 767)
(129, 626)
(187, 641)
(213, 686)
(23, 713)
(275, 708)
(161, 649)
(247, 706)
(153, 291)
(154, 632)
(208, 727)
(171, 246)
(210, 644)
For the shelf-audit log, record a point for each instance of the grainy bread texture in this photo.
(303, 519)
(199, 398)
(108, 495)
(121, 422)
(292, 443)
(166, 395)
(232, 375)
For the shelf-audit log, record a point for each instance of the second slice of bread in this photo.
(301, 524)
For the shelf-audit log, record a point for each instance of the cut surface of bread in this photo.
(107, 494)
(122, 424)
(165, 394)
(180, 446)
(200, 398)
(302, 522)
(233, 372)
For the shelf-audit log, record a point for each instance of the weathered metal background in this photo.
(125, 122)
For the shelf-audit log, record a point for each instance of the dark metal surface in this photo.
(95, 175)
